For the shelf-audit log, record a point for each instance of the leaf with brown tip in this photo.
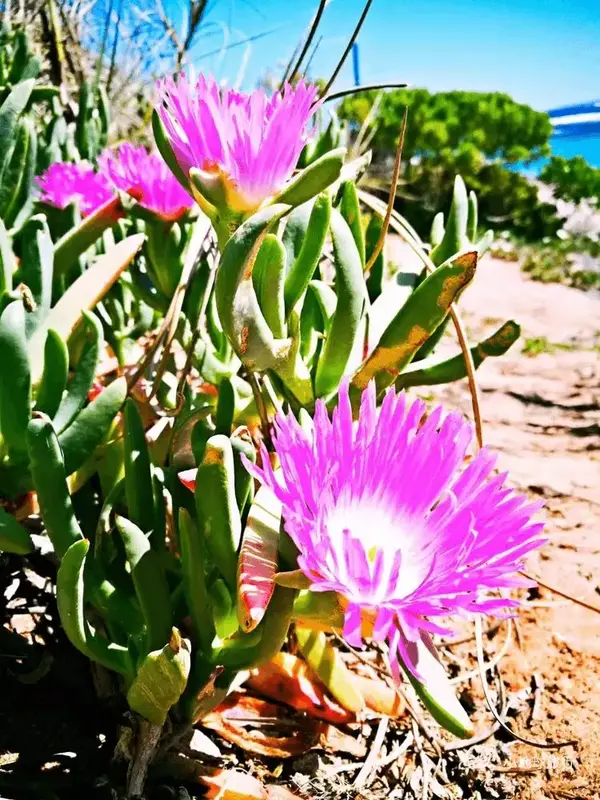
(83, 295)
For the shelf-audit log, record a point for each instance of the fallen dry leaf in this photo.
(288, 679)
(231, 784)
(268, 729)
(379, 696)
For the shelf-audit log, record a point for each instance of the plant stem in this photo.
(148, 737)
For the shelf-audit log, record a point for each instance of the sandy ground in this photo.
(542, 414)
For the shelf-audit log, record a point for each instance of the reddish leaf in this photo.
(267, 729)
(188, 478)
(208, 388)
(379, 696)
(288, 679)
(257, 562)
(95, 391)
(230, 784)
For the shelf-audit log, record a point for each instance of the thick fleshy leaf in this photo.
(314, 179)
(304, 238)
(10, 111)
(160, 680)
(351, 294)
(83, 294)
(434, 689)
(326, 662)
(219, 519)
(14, 538)
(193, 564)
(423, 312)
(70, 589)
(257, 562)
(321, 611)
(149, 581)
(239, 312)
(433, 371)
(455, 239)
(77, 240)
(243, 322)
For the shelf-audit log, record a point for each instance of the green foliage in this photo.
(572, 179)
(563, 261)
(174, 590)
(460, 128)
(477, 135)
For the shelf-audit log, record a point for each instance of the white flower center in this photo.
(379, 530)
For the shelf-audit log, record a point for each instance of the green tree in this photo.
(477, 135)
(572, 179)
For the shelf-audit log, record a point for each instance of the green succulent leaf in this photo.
(218, 514)
(15, 379)
(36, 269)
(326, 662)
(193, 561)
(435, 690)
(421, 315)
(243, 322)
(455, 239)
(268, 280)
(308, 234)
(312, 180)
(161, 680)
(349, 208)
(351, 303)
(10, 111)
(138, 473)
(149, 581)
(376, 273)
(432, 371)
(91, 425)
(50, 482)
(14, 538)
(54, 377)
(82, 381)
(70, 594)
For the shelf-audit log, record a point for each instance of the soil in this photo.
(542, 414)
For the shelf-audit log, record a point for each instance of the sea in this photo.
(587, 147)
(576, 133)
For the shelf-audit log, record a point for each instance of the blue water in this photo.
(579, 135)
(586, 146)
(567, 147)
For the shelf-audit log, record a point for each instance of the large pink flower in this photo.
(146, 177)
(64, 183)
(251, 140)
(386, 514)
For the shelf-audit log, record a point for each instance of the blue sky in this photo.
(542, 52)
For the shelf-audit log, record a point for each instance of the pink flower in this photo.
(250, 140)
(385, 513)
(146, 177)
(63, 183)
